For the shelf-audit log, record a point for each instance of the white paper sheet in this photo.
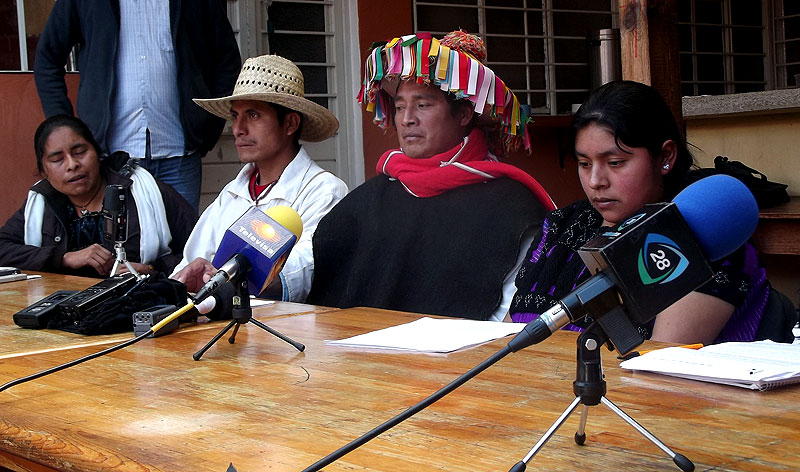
(433, 335)
(254, 302)
(758, 365)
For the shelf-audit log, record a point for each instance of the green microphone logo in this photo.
(660, 260)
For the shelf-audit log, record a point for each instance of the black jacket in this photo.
(206, 54)
(181, 218)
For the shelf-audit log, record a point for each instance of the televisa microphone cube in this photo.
(263, 240)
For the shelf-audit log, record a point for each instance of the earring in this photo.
(666, 166)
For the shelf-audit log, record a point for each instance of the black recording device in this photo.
(115, 213)
(78, 305)
(40, 313)
(146, 319)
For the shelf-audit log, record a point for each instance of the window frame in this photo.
(548, 36)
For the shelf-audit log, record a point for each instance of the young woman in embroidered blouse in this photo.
(630, 152)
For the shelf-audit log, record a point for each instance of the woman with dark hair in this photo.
(630, 153)
(60, 227)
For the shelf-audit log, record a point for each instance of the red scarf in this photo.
(466, 164)
(256, 189)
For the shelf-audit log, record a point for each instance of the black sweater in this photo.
(446, 255)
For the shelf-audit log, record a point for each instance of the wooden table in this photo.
(262, 405)
(778, 229)
(15, 341)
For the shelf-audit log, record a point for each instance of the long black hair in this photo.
(55, 122)
(638, 117)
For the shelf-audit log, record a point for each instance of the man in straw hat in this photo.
(443, 228)
(270, 115)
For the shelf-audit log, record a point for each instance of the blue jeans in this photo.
(183, 173)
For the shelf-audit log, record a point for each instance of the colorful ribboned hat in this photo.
(455, 65)
(274, 79)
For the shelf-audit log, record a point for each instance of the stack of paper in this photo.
(758, 365)
(433, 335)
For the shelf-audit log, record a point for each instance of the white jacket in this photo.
(304, 186)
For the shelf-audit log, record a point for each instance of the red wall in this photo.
(20, 114)
(379, 21)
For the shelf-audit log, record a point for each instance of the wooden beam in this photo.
(649, 44)
(634, 41)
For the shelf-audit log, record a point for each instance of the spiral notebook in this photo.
(760, 365)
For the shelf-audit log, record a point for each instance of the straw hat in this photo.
(273, 79)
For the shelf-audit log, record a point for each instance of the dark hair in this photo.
(638, 117)
(53, 123)
(456, 104)
(281, 112)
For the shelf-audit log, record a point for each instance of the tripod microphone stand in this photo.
(115, 215)
(122, 258)
(590, 390)
(242, 313)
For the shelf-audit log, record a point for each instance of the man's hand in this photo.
(94, 256)
(196, 274)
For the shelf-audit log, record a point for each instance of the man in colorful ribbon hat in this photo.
(270, 115)
(444, 226)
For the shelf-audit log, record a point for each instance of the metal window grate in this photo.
(538, 47)
(787, 43)
(723, 46)
(302, 31)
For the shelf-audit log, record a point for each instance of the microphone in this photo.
(219, 305)
(115, 229)
(115, 214)
(257, 244)
(721, 212)
(630, 269)
(651, 260)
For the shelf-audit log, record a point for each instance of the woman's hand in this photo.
(94, 256)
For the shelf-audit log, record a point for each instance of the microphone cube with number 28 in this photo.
(653, 258)
(263, 241)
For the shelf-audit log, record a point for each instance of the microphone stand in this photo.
(589, 386)
(590, 389)
(242, 313)
(122, 257)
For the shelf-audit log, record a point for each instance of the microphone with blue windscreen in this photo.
(721, 212)
(653, 259)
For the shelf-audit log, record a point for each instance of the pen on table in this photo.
(633, 354)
